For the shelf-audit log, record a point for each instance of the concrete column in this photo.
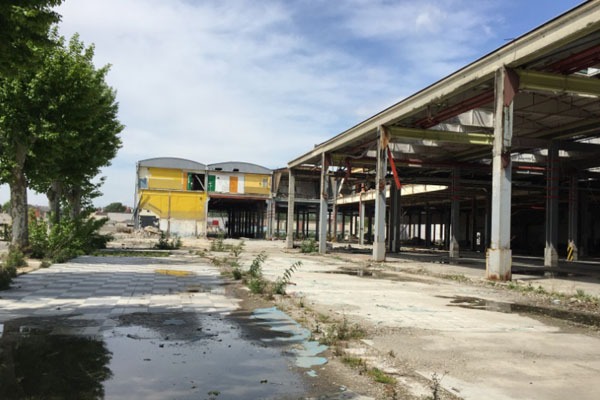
(379, 242)
(394, 220)
(427, 226)
(574, 217)
(361, 221)
(552, 195)
(473, 224)
(323, 205)
(499, 258)
(455, 216)
(289, 240)
(585, 225)
(334, 211)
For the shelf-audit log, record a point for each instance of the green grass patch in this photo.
(381, 377)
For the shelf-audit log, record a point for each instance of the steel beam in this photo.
(484, 139)
(557, 83)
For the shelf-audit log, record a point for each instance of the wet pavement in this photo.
(145, 328)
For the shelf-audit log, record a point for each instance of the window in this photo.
(195, 182)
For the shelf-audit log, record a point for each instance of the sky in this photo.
(264, 81)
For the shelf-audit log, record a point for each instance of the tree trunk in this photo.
(74, 198)
(54, 195)
(18, 201)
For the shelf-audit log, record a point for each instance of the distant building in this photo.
(188, 198)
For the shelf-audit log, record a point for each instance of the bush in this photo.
(281, 283)
(8, 270)
(69, 238)
(165, 244)
(309, 246)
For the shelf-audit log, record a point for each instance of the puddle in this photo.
(304, 351)
(489, 305)
(155, 356)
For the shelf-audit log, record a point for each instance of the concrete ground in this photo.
(459, 328)
(423, 319)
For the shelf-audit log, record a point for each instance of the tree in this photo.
(59, 126)
(24, 26)
(115, 207)
(85, 124)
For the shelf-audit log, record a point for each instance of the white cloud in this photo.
(263, 81)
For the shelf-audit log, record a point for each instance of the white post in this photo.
(289, 240)
(323, 206)
(379, 242)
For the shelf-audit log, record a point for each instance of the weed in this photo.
(219, 243)
(255, 270)
(45, 264)
(237, 249)
(257, 285)
(237, 273)
(8, 268)
(392, 354)
(355, 362)
(132, 253)
(282, 282)
(322, 317)
(436, 386)
(460, 278)
(381, 377)
(343, 331)
(165, 244)
(309, 246)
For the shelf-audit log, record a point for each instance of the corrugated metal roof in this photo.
(237, 166)
(173, 162)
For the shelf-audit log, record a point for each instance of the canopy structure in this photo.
(523, 119)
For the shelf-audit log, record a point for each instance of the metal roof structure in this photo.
(557, 99)
(173, 162)
(526, 115)
(238, 166)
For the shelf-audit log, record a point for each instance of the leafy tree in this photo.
(24, 26)
(59, 126)
(85, 128)
(115, 207)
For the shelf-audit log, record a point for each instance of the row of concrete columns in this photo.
(499, 256)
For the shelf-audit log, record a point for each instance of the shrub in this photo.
(255, 270)
(165, 244)
(67, 239)
(309, 246)
(8, 270)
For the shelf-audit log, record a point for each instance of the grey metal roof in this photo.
(238, 166)
(173, 162)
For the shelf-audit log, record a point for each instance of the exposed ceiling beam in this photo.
(556, 83)
(485, 139)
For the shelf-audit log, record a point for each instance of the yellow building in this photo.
(171, 195)
(178, 196)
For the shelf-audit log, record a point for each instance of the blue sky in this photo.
(264, 81)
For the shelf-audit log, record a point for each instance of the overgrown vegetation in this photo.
(165, 244)
(309, 246)
(436, 386)
(381, 377)
(341, 332)
(281, 283)
(8, 269)
(66, 239)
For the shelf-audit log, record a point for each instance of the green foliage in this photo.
(255, 270)
(237, 273)
(257, 285)
(218, 244)
(309, 246)
(69, 238)
(115, 207)
(8, 269)
(24, 27)
(282, 282)
(238, 249)
(381, 377)
(342, 331)
(165, 244)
